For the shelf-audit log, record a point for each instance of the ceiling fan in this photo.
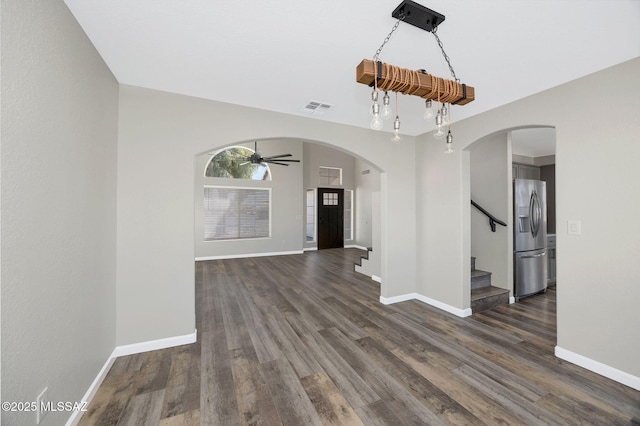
(257, 158)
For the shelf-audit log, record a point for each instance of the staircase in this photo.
(483, 295)
(369, 265)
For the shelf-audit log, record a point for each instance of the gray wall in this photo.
(598, 271)
(286, 211)
(159, 135)
(491, 188)
(366, 185)
(59, 130)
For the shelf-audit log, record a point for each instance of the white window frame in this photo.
(351, 194)
(252, 188)
(320, 176)
(206, 166)
(313, 212)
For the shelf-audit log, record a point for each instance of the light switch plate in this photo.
(574, 227)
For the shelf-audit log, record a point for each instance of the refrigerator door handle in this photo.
(534, 255)
(532, 220)
(536, 213)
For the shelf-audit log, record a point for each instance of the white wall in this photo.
(287, 195)
(59, 129)
(491, 188)
(159, 134)
(596, 182)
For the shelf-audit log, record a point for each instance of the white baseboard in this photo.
(448, 308)
(397, 299)
(152, 345)
(376, 278)
(356, 247)
(123, 350)
(435, 303)
(599, 368)
(512, 300)
(244, 255)
(310, 249)
(74, 419)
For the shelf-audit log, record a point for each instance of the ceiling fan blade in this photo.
(276, 162)
(290, 161)
(278, 156)
(245, 163)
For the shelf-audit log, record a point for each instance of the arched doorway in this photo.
(494, 161)
(291, 198)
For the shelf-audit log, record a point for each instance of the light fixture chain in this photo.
(386, 40)
(446, 57)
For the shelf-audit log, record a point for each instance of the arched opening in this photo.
(293, 199)
(494, 162)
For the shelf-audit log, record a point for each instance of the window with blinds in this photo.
(236, 213)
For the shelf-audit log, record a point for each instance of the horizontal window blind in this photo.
(236, 213)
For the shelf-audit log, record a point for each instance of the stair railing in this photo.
(492, 219)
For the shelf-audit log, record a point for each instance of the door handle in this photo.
(534, 255)
(532, 218)
(536, 215)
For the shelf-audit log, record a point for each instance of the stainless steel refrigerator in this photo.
(530, 261)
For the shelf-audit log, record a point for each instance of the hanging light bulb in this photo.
(428, 114)
(449, 149)
(445, 115)
(439, 132)
(386, 109)
(396, 131)
(376, 122)
(374, 104)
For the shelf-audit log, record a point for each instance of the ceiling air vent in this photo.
(317, 108)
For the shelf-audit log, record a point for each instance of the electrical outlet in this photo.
(41, 400)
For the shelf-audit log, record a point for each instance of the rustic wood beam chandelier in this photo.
(391, 78)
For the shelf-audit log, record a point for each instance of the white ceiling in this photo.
(280, 55)
(534, 142)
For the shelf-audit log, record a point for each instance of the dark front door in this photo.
(330, 218)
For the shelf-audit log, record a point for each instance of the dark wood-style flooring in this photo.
(303, 340)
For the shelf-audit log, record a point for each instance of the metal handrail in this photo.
(492, 219)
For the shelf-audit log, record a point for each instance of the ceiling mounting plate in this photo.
(417, 15)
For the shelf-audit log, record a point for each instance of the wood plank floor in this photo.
(303, 340)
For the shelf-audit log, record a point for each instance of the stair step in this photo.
(485, 298)
(365, 257)
(480, 279)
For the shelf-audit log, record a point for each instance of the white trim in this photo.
(397, 299)
(512, 300)
(152, 345)
(435, 303)
(376, 279)
(240, 256)
(356, 247)
(93, 388)
(206, 166)
(310, 249)
(599, 368)
(331, 168)
(135, 348)
(440, 305)
(129, 350)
